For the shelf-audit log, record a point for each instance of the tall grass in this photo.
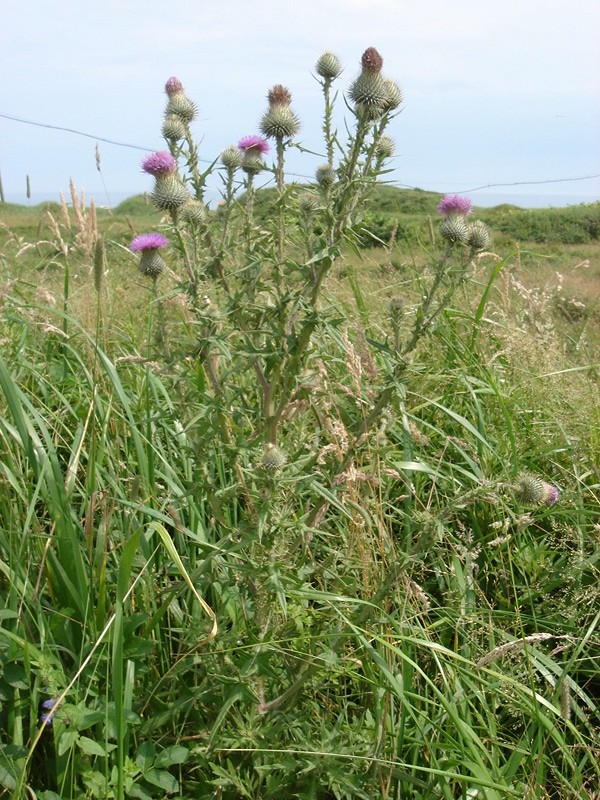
(273, 552)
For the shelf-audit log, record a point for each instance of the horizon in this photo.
(481, 200)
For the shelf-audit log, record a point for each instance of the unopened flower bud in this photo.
(369, 94)
(273, 459)
(173, 128)
(231, 158)
(393, 95)
(328, 66)
(479, 236)
(308, 202)
(385, 147)
(193, 211)
(325, 176)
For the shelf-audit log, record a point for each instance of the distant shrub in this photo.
(571, 225)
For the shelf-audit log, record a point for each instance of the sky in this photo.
(495, 91)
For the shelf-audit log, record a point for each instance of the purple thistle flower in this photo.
(551, 494)
(256, 144)
(455, 204)
(173, 86)
(160, 163)
(148, 241)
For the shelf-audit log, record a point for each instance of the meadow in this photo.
(299, 492)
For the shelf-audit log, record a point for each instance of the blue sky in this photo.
(496, 91)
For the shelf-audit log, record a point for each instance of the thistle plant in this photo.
(257, 291)
(462, 241)
(292, 507)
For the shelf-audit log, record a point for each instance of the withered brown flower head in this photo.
(279, 96)
(371, 60)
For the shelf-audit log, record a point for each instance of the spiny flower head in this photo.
(159, 163)
(172, 86)
(148, 241)
(454, 229)
(148, 244)
(393, 95)
(173, 127)
(479, 235)
(455, 204)
(531, 490)
(325, 176)
(231, 157)
(255, 144)
(369, 92)
(280, 122)
(328, 66)
(371, 61)
(273, 458)
(385, 147)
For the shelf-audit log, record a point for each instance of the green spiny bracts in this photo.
(151, 263)
(393, 95)
(396, 309)
(273, 459)
(173, 128)
(328, 66)
(479, 236)
(252, 163)
(369, 93)
(231, 158)
(280, 122)
(385, 147)
(325, 176)
(193, 211)
(169, 193)
(181, 106)
(455, 230)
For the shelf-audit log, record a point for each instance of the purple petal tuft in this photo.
(455, 204)
(148, 241)
(160, 163)
(256, 143)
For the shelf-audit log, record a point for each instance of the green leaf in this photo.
(16, 676)
(137, 791)
(90, 747)
(66, 741)
(176, 754)
(164, 780)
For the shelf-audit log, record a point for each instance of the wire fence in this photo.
(116, 143)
